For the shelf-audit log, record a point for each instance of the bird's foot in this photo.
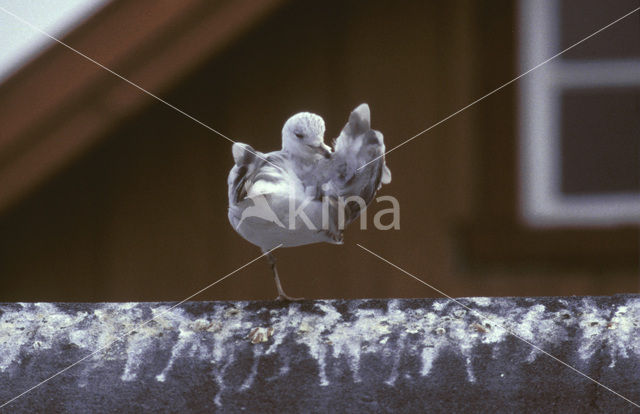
(284, 297)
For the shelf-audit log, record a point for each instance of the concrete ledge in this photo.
(394, 355)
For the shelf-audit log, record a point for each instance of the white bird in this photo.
(293, 196)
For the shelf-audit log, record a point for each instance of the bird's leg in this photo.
(281, 295)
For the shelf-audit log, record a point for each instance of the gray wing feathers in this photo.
(358, 145)
(247, 163)
(251, 166)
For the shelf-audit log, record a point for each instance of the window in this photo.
(579, 115)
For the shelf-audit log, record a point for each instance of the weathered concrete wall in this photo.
(323, 356)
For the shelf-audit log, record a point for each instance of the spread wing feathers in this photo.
(358, 145)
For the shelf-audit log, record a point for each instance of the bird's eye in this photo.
(299, 135)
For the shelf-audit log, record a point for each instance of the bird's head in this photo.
(303, 135)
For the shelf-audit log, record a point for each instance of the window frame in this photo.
(542, 203)
(495, 236)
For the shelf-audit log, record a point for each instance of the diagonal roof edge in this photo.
(60, 104)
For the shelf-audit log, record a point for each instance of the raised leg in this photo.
(281, 295)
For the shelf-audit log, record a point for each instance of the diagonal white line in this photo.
(136, 328)
(502, 86)
(482, 316)
(135, 85)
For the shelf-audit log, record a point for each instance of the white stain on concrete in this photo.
(220, 337)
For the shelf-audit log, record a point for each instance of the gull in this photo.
(307, 192)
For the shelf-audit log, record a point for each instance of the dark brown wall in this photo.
(143, 216)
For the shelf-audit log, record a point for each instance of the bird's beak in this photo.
(322, 149)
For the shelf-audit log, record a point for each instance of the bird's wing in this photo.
(269, 187)
(358, 146)
(256, 173)
(246, 164)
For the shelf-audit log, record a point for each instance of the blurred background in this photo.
(107, 194)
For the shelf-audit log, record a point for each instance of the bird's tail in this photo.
(358, 162)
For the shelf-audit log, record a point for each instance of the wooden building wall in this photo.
(143, 215)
